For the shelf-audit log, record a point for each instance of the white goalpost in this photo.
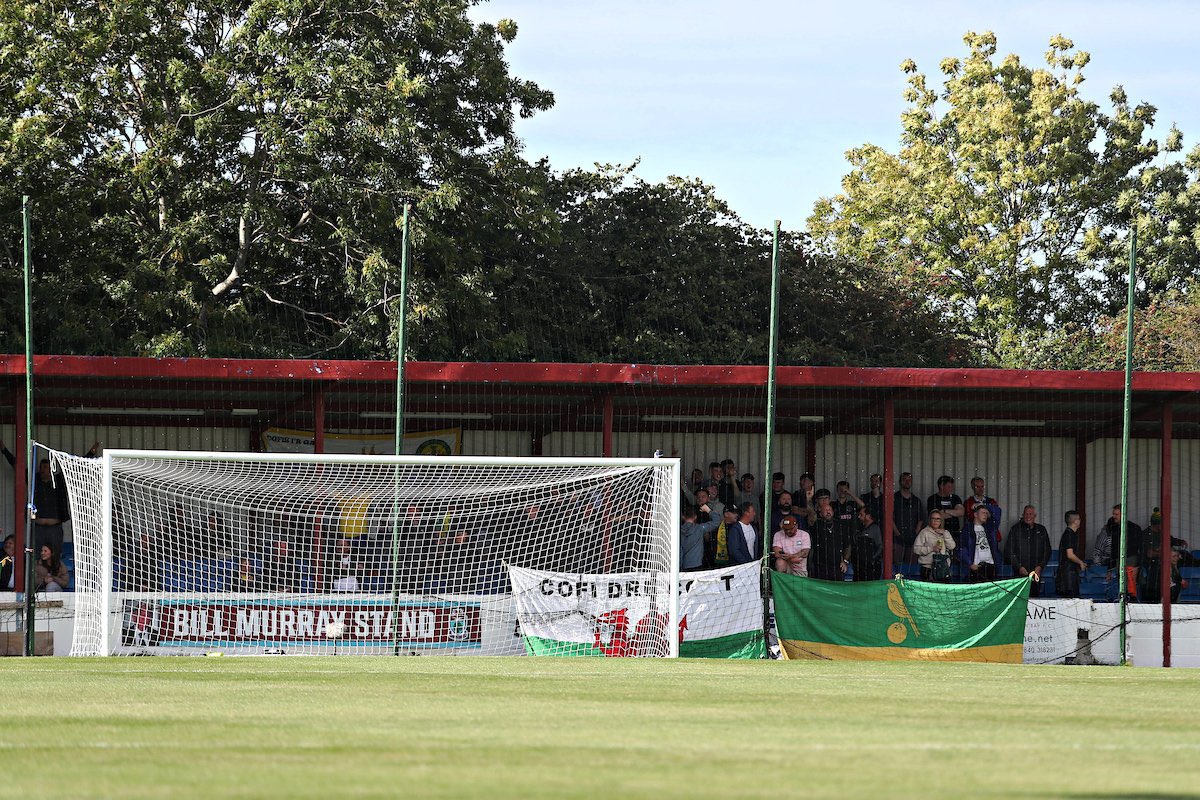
(254, 553)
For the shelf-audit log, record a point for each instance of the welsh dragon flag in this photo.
(720, 613)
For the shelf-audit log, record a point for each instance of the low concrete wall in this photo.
(1144, 635)
(59, 621)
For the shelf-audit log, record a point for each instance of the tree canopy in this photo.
(197, 162)
(1011, 196)
(227, 179)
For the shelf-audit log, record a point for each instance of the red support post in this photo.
(607, 444)
(886, 525)
(21, 497)
(1081, 493)
(319, 420)
(810, 456)
(1168, 414)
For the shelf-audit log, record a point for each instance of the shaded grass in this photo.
(520, 727)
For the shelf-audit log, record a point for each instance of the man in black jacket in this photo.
(1134, 536)
(1027, 549)
(829, 557)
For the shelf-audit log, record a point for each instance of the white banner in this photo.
(588, 614)
(611, 614)
(424, 443)
(720, 602)
(1052, 627)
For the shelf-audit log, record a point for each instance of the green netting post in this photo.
(1125, 433)
(401, 320)
(30, 469)
(768, 445)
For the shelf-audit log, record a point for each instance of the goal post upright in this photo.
(769, 429)
(674, 515)
(106, 563)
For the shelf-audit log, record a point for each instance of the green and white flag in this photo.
(720, 613)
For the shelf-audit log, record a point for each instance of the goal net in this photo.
(187, 552)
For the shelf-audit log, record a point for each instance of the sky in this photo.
(763, 99)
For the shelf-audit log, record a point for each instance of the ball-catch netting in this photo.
(180, 553)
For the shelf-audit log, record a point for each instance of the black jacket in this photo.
(1027, 546)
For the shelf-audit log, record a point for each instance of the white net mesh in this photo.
(335, 554)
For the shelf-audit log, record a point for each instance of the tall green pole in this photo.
(30, 470)
(768, 446)
(401, 319)
(1125, 434)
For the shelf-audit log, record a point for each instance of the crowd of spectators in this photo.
(838, 535)
(726, 520)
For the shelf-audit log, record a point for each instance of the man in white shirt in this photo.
(745, 542)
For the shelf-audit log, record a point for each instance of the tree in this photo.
(642, 272)
(1166, 204)
(1005, 197)
(226, 177)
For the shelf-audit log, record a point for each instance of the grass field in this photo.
(520, 727)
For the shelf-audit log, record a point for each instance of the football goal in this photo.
(248, 553)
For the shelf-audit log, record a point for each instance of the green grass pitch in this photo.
(520, 727)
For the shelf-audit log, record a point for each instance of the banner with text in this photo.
(720, 613)
(424, 443)
(275, 622)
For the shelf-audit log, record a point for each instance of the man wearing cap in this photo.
(790, 545)
(745, 542)
(1150, 574)
(1154, 539)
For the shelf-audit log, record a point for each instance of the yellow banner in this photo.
(1000, 653)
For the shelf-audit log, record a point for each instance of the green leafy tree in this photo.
(1005, 199)
(227, 177)
(665, 272)
(1166, 204)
